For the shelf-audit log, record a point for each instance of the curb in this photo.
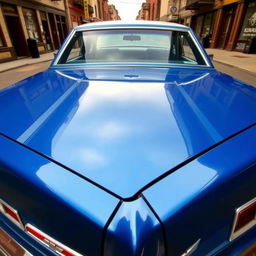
(233, 66)
(23, 65)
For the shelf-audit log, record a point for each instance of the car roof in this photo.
(109, 24)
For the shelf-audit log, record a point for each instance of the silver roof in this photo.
(106, 24)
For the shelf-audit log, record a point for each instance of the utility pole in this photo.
(69, 23)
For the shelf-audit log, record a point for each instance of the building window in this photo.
(203, 24)
(32, 24)
(208, 24)
(248, 30)
(2, 41)
(198, 23)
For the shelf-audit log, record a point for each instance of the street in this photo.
(12, 76)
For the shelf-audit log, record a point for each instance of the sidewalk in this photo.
(236, 59)
(26, 61)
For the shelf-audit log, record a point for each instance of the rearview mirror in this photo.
(131, 38)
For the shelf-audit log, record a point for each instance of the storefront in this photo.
(34, 20)
(203, 24)
(248, 31)
(228, 24)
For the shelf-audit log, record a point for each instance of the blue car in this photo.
(131, 143)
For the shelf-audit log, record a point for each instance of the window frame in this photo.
(200, 49)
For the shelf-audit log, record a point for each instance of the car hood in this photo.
(123, 128)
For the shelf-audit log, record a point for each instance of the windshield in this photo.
(132, 46)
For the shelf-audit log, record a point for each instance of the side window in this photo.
(187, 53)
(77, 51)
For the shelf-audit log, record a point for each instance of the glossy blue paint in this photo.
(48, 197)
(111, 131)
(199, 200)
(134, 230)
(82, 138)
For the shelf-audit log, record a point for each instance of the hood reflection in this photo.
(112, 131)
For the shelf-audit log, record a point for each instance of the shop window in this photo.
(2, 41)
(32, 24)
(198, 23)
(208, 24)
(248, 31)
(46, 31)
(203, 25)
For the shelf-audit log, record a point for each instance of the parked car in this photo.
(131, 143)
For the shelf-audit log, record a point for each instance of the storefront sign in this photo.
(9, 9)
(249, 26)
(173, 9)
(86, 9)
(248, 30)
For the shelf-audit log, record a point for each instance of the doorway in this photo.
(16, 34)
(47, 35)
(54, 30)
(227, 20)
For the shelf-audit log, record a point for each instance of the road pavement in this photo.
(12, 76)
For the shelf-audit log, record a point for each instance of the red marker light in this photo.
(10, 213)
(246, 216)
(245, 219)
(50, 242)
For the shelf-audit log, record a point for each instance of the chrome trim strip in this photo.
(133, 27)
(191, 249)
(234, 235)
(19, 224)
(199, 49)
(50, 239)
(133, 64)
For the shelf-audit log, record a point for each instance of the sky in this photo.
(127, 9)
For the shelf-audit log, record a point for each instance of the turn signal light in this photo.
(10, 213)
(245, 219)
(50, 242)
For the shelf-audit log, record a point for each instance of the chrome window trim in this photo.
(234, 235)
(199, 49)
(207, 64)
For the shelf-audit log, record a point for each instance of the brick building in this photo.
(113, 12)
(44, 21)
(228, 24)
(150, 10)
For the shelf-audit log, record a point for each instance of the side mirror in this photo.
(211, 56)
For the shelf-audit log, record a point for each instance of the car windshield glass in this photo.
(132, 46)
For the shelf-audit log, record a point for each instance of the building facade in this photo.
(44, 21)
(113, 12)
(223, 24)
(84, 11)
(169, 10)
(150, 10)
